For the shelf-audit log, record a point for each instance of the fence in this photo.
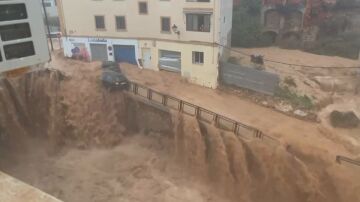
(343, 159)
(239, 129)
(249, 78)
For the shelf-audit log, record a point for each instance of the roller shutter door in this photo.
(99, 52)
(170, 60)
(125, 53)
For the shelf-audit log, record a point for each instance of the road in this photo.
(289, 130)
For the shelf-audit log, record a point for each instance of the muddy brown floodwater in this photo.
(138, 169)
(78, 142)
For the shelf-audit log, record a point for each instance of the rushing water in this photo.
(77, 113)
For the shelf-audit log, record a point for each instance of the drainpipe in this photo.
(214, 6)
(47, 25)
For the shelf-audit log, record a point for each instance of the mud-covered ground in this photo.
(78, 142)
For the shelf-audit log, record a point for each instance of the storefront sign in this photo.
(97, 40)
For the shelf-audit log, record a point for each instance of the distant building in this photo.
(179, 36)
(284, 18)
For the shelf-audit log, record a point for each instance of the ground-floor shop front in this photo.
(198, 63)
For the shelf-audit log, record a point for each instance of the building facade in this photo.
(185, 36)
(51, 8)
(284, 18)
(22, 35)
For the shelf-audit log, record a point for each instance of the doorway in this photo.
(146, 56)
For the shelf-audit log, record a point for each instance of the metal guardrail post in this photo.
(216, 120)
(181, 105)
(340, 159)
(149, 94)
(135, 89)
(197, 112)
(236, 126)
(165, 100)
(258, 134)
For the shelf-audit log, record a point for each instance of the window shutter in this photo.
(207, 23)
(189, 22)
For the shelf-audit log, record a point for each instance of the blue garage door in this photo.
(125, 53)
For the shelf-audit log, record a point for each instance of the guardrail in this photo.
(343, 159)
(239, 129)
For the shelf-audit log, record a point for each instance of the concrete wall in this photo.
(249, 78)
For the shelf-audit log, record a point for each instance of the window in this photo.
(47, 4)
(19, 50)
(165, 24)
(100, 22)
(143, 8)
(12, 12)
(15, 31)
(198, 22)
(198, 57)
(120, 23)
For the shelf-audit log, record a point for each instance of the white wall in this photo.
(79, 18)
(226, 13)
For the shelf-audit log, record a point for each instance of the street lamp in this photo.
(175, 29)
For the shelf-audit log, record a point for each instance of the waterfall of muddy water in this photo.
(70, 138)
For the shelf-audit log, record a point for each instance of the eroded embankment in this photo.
(77, 113)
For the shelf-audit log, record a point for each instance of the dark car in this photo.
(112, 78)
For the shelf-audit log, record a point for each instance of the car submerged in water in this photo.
(112, 77)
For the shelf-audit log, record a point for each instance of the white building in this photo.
(176, 35)
(22, 35)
